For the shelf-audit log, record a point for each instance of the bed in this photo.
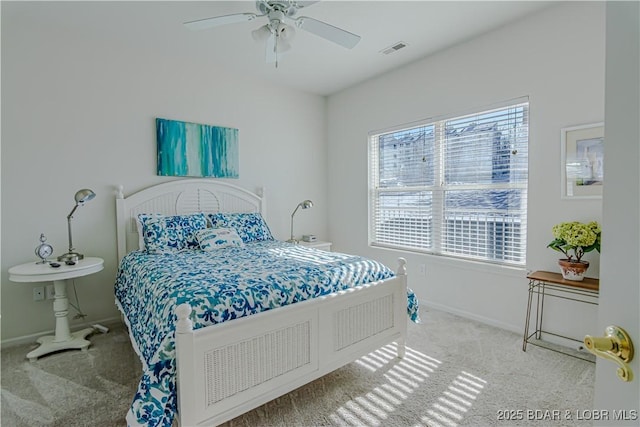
(224, 328)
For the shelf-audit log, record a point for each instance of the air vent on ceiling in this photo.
(394, 48)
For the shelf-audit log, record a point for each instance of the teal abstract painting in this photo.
(191, 149)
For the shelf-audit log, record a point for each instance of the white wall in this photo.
(78, 113)
(556, 58)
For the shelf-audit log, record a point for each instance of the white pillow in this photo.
(211, 239)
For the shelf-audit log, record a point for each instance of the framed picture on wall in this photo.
(193, 149)
(581, 159)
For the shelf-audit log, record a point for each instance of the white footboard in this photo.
(228, 369)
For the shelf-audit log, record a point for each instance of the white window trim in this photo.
(439, 188)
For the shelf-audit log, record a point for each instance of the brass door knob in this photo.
(616, 346)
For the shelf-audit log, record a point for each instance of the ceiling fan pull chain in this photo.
(275, 46)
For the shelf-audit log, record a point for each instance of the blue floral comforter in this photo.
(221, 285)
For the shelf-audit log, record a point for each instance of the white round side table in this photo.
(39, 272)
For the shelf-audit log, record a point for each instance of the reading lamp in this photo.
(81, 197)
(304, 205)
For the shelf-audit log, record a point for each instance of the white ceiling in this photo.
(313, 65)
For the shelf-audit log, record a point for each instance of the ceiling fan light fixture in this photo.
(276, 34)
(261, 34)
(283, 46)
(286, 32)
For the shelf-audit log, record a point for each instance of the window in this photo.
(455, 186)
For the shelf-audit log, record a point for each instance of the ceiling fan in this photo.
(277, 33)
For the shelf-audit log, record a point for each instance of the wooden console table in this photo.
(547, 284)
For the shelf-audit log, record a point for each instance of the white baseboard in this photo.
(33, 337)
(553, 339)
(468, 315)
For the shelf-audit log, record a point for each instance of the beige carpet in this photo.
(457, 373)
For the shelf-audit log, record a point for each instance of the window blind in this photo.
(455, 186)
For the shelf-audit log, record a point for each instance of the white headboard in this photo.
(179, 197)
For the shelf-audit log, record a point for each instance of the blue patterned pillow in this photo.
(216, 238)
(251, 227)
(165, 234)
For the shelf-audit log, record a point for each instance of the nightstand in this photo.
(38, 272)
(318, 244)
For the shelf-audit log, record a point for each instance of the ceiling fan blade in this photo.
(203, 24)
(301, 4)
(327, 31)
(270, 51)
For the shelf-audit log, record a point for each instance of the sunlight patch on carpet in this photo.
(402, 377)
(450, 408)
